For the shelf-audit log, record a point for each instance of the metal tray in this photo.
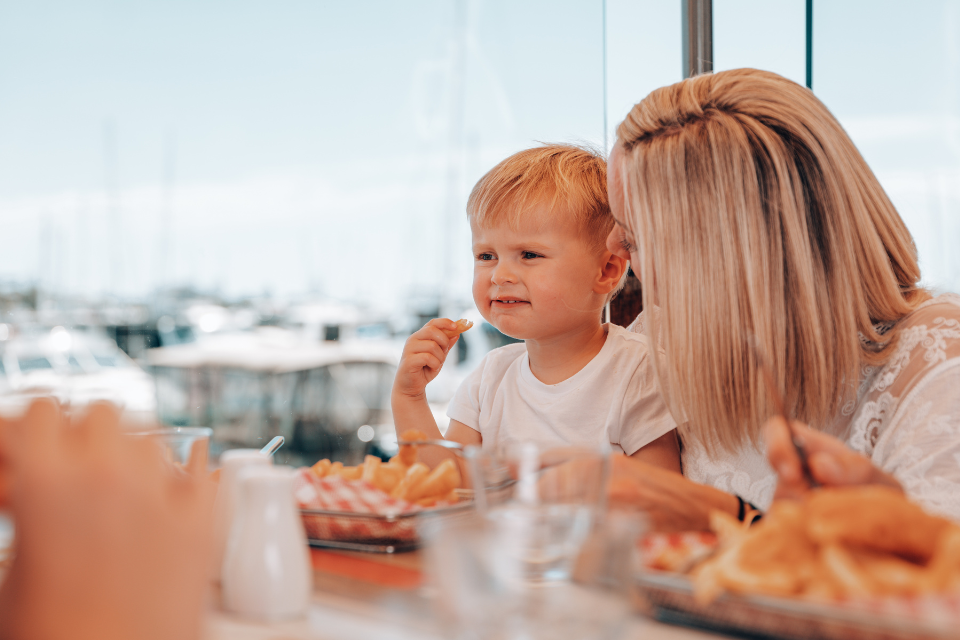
(669, 598)
(392, 533)
(378, 533)
(385, 533)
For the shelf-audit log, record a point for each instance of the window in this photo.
(33, 363)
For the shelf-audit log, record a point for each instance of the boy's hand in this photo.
(424, 355)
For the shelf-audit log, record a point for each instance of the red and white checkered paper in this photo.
(354, 500)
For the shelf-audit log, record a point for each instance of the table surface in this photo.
(358, 596)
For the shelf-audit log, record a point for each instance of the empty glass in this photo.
(177, 442)
(559, 492)
(548, 563)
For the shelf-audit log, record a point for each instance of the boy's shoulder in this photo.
(628, 341)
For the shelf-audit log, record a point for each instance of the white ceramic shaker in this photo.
(266, 572)
(223, 509)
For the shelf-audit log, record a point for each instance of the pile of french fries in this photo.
(836, 543)
(403, 477)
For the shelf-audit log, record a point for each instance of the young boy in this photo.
(542, 274)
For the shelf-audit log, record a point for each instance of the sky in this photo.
(329, 147)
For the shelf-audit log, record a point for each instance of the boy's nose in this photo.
(502, 275)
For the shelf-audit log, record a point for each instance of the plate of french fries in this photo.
(857, 562)
(375, 506)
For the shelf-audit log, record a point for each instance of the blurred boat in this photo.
(77, 367)
(251, 386)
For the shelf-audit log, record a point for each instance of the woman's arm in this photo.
(672, 502)
(664, 452)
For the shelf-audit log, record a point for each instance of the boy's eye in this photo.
(484, 256)
(530, 255)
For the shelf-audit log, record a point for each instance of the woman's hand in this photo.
(423, 356)
(111, 540)
(831, 462)
(672, 502)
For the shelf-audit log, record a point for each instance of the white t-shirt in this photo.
(613, 399)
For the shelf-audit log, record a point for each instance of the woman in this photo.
(756, 227)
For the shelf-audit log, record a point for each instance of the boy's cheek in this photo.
(480, 300)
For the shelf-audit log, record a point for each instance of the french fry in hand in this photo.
(464, 325)
(441, 481)
(460, 326)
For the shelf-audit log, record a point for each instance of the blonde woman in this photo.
(751, 217)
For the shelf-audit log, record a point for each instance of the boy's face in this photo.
(538, 280)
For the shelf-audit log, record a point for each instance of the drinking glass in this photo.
(548, 563)
(177, 442)
(558, 495)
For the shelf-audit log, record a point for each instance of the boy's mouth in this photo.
(505, 302)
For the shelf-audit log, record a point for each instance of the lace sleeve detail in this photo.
(921, 446)
(907, 417)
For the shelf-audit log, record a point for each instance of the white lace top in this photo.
(906, 419)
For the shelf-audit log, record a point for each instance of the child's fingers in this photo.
(434, 334)
(428, 346)
(443, 324)
(426, 361)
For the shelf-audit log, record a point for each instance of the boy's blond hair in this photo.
(570, 180)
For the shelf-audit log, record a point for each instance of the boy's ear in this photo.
(612, 272)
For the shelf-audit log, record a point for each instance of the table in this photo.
(383, 597)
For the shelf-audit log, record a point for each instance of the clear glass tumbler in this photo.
(177, 442)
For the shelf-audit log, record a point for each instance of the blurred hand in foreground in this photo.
(831, 462)
(111, 541)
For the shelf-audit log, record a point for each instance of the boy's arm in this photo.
(664, 452)
(456, 432)
(423, 356)
(413, 413)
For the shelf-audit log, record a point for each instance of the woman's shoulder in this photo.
(941, 310)
(925, 355)
(931, 330)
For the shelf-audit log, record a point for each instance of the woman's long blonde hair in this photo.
(757, 219)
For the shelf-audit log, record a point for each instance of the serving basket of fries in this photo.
(670, 598)
(847, 563)
(379, 506)
(385, 532)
